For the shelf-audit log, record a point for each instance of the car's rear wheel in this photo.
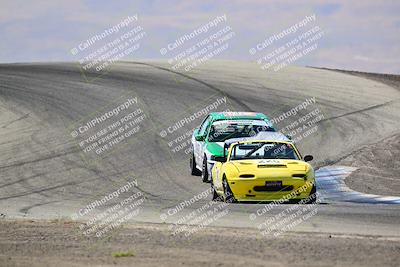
(228, 195)
(193, 169)
(204, 172)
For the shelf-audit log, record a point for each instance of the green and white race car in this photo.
(208, 139)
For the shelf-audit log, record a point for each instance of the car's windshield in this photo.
(223, 130)
(263, 150)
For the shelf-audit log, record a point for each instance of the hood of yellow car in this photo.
(252, 165)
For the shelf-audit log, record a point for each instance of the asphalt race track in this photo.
(44, 174)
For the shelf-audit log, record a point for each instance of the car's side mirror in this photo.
(220, 159)
(199, 137)
(308, 158)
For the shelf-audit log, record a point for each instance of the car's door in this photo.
(198, 146)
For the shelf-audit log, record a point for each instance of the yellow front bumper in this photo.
(255, 189)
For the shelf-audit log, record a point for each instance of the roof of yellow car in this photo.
(261, 137)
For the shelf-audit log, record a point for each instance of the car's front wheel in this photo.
(214, 193)
(228, 195)
(204, 172)
(312, 198)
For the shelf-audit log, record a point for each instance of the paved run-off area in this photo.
(45, 175)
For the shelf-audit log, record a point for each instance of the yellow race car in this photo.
(265, 167)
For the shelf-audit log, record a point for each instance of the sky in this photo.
(359, 35)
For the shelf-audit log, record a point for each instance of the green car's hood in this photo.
(216, 148)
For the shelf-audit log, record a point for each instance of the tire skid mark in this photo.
(360, 110)
(247, 108)
(11, 122)
(26, 209)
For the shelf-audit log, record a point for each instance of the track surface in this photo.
(42, 174)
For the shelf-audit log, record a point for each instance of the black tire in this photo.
(228, 195)
(204, 172)
(193, 169)
(312, 198)
(215, 196)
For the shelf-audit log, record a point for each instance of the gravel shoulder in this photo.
(378, 169)
(58, 243)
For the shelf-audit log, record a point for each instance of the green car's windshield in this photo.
(223, 130)
(263, 150)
